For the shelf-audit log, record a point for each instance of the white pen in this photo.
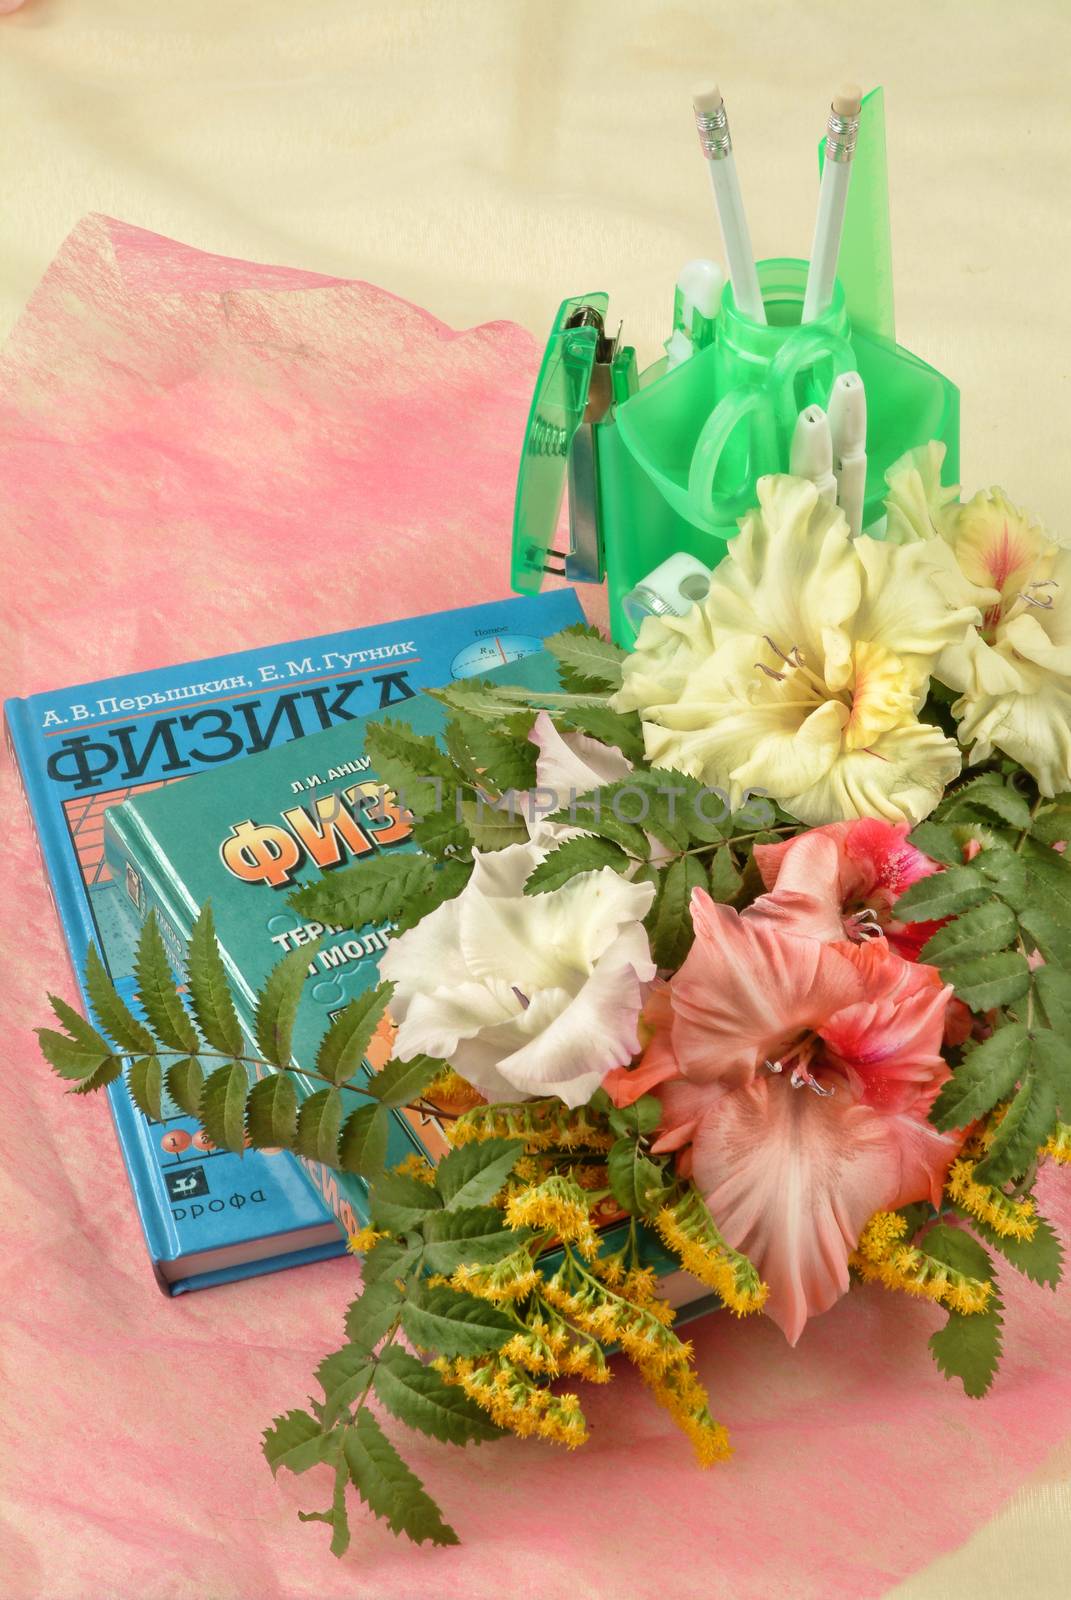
(717, 145)
(847, 427)
(841, 132)
(812, 452)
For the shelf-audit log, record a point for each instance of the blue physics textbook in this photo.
(209, 1215)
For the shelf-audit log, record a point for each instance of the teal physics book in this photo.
(210, 1215)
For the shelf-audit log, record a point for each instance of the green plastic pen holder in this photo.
(679, 459)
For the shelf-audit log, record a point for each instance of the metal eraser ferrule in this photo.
(715, 140)
(841, 134)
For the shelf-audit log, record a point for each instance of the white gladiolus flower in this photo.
(525, 995)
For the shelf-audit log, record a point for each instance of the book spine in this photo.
(75, 918)
(344, 1194)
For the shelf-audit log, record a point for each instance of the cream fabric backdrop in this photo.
(486, 158)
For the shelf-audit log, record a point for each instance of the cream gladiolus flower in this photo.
(525, 994)
(802, 673)
(1012, 670)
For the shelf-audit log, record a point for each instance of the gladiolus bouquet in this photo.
(723, 941)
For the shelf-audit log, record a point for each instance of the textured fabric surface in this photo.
(197, 455)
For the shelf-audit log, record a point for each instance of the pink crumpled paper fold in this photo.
(198, 454)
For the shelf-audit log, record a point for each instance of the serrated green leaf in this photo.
(420, 1398)
(585, 854)
(958, 1249)
(621, 731)
(1051, 1056)
(401, 1203)
(398, 1082)
(295, 1441)
(983, 1078)
(144, 1081)
(988, 795)
(106, 1073)
(586, 811)
(185, 1084)
(318, 1124)
(641, 1117)
(669, 921)
(1006, 871)
(277, 1005)
(374, 1312)
(938, 840)
(271, 1113)
(637, 1182)
(69, 1060)
(492, 828)
(167, 1015)
(968, 1347)
(387, 1486)
(475, 1236)
(1052, 989)
(1040, 1259)
(447, 881)
(336, 1516)
(389, 1259)
(210, 993)
(1047, 933)
(375, 890)
(583, 648)
(455, 1324)
(439, 833)
(498, 758)
(942, 894)
(1052, 825)
(402, 756)
(111, 1010)
(646, 800)
(81, 1030)
(343, 1377)
(223, 1106)
(343, 1046)
(472, 1174)
(1025, 1126)
(978, 932)
(362, 1144)
(1049, 877)
(995, 980)
(725, 880)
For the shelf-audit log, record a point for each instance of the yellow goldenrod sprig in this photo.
(416, 1166)
(513, 1401)
(509, 1279)
(1058, 1145)
(558, 1205)
(364, 1239)
(882, 1258)
(1012, 1219)
(690, 1232)
(542, 1124)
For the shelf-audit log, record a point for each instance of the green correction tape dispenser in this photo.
(664, 463)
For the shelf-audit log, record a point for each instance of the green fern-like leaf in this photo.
(167, 1015)
(112, 1011)
(144, 1080)
(318, 1123)
(472, 1174)
(372, 891)
(362, 1144)
(591, 657)
(271, 1113)
(420, 1398)
(295, 1441)
(185, 1084)
(398, 1082)
(222, 1109)
(389, 1488)
(209, 990)
(343, 1046)
(277, 1005)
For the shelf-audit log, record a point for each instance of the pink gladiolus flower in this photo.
(874, 865)
(795, 1074)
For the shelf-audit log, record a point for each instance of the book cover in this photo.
(209, 1215)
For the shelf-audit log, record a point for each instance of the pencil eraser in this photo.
(848, 100)
(707, 98)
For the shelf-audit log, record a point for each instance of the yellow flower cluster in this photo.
(548, 1347)
(1012, 1219)
(363, 1240)
(1058, 1145)
(417, 1166)
(511, 1278)
(557, 1205)
(882, 1258)
(680, 1392)
(542, 1124)
(689, 1231)
(513, 1401)
(451, 1089)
